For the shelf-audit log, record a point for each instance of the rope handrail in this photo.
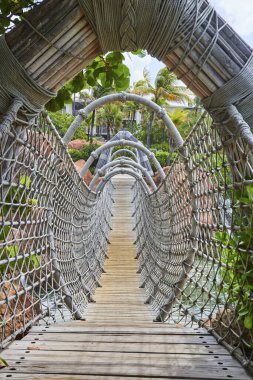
(193, 233)
(128, 151)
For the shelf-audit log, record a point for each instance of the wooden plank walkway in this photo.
(118, 340)
(120, 298)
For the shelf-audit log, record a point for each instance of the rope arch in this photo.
(95, 154)
(128, 151)
(122, 162)
(123, 97)
(115, 172)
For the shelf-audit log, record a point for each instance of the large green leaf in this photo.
(115, 57)
(248, 322)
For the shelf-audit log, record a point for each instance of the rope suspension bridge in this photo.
(171, 295)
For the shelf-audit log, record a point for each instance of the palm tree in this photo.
(180, 118)
(96, 92)
(111, 116)
(165, 89)
(87, 98)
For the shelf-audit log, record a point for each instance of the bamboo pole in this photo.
(229, 55)
(68, 45)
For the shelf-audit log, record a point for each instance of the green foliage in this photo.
(3, 363)
(84, 154)
(165, 89)
(184, 120)
(57, 103)
(162, 158)
(75, 154)
(140, 53)
(237, 255)
(62, 121)
(18, 198)
(12, 10)
(109, 71)
(110, 115)
(106, 72)
(162, 147)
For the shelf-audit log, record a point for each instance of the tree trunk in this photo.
(150, 126)
(133, 118)
(108, 132)
(97, 130)
(170, 154)
(92, 126)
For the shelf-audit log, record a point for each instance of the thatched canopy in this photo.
(60, 37)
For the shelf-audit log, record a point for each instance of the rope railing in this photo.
(194, 238)
(53, 230)
(193, 233)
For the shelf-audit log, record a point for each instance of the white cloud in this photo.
(137, 64)
(239, 14)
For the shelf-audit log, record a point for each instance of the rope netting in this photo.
(193, 233)
(53, 231)
(195, 238)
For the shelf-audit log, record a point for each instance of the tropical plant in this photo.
(84, 153)
(111, 116)
(12, 11)
(237, 272)
(107, 71)
(162, 158)
(62, 121)
(96, 92)
(165, 89)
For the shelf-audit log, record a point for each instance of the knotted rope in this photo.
(160, 27)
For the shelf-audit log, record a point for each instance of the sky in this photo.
(238, 13)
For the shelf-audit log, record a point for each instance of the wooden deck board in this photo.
(118, 340)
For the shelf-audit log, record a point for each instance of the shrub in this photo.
(62, 121)
(164, 146)
(84, 154)
(75, 154)
(162, 158)
(237, 246)
(80, 134)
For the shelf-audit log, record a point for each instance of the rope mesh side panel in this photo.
(194, 238)
(53, 230)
